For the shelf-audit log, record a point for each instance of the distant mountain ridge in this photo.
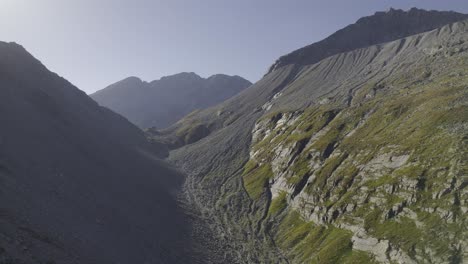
(379, 28)
(161, 103)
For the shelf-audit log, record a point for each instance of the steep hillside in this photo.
(79, 184)
(356, 157)
(162, 102)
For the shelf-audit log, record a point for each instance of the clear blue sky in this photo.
(94, 43)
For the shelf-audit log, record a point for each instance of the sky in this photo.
(94, 43)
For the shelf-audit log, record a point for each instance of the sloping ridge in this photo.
(78, 183)
(379, 28)
(215, 163)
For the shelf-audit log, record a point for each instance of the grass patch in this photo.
(306, 242)
(278, 204)
(256, 180)
(404, 233)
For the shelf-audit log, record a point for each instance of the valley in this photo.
(350, 150)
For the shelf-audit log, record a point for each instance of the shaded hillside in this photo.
(162, 102)
(330, 161)
(78, 183)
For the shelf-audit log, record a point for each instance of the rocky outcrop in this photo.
(367, 176)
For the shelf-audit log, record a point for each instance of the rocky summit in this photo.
(379, 28)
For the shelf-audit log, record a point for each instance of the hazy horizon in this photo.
(151, 39)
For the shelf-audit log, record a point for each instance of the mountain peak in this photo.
(219, 75)
(414, 13)
(375, 29)
(12, 52)
(182, 76)
(11, 45)
(131, 79)
(225, 76)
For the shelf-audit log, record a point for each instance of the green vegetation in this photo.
(327, 169)
(192, 133)
(278, 204)
(384, 180)
(403, 233)
(300, 169)
(256, 180)
(250, 166)
(309, 243)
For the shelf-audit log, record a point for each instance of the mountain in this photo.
(79, 183)
(350, 150)
(163, 102)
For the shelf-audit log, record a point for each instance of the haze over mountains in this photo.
(349, 150)
(162, 102)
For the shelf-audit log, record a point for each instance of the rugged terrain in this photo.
(350, 150)
(79, 183)
(352, 154)
(163, 102)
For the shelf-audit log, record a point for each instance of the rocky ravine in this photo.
(357, 158)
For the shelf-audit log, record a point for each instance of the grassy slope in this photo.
(421, 114)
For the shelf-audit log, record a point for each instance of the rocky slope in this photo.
(79, 183)
(357, 156)
(162, 102)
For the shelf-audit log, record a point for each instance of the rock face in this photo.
(78, 183)
(162, 102)
(353, 156)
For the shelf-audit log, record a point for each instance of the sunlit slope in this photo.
(400, 105)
